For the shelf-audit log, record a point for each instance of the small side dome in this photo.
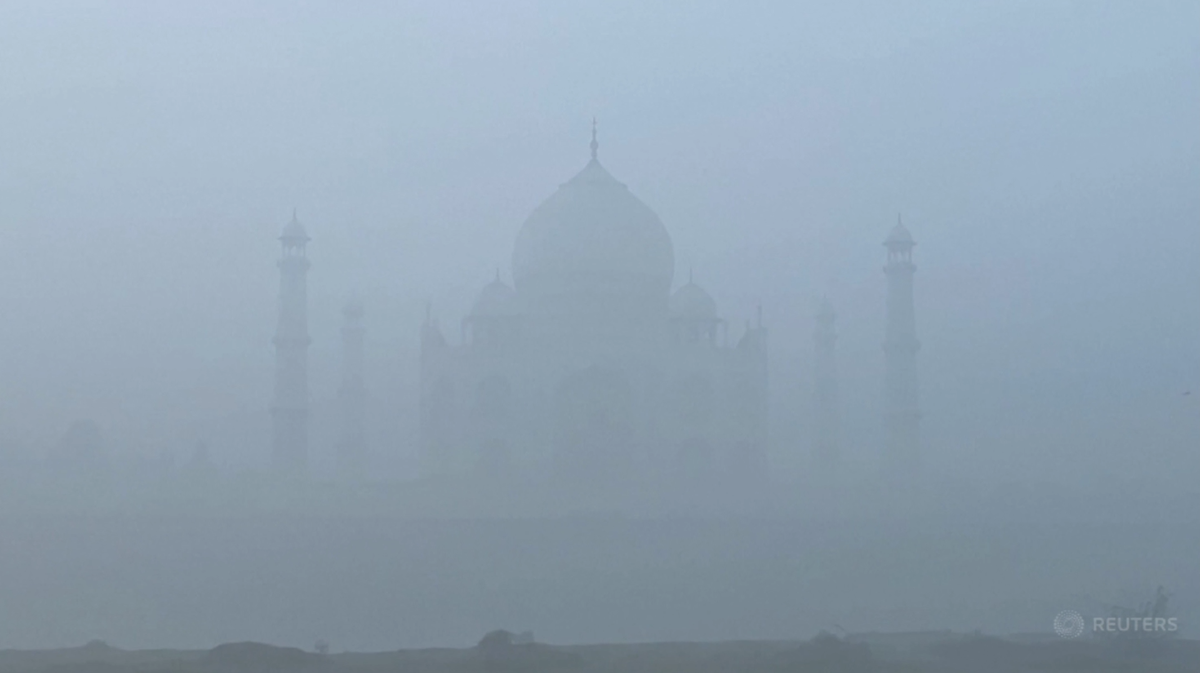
(899, 236)
(496, 299)
(294, 230)
(691, 302)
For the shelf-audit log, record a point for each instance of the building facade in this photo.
(588, 364)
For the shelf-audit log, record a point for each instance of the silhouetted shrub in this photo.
(251, 657)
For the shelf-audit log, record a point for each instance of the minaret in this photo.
(352, 448)
(826, 412)
(289, 411)
(900, 346)
(595, 146)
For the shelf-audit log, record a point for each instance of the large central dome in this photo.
(593, 238)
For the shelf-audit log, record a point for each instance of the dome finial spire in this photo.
(595, 145)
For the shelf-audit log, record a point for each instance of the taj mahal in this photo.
(589, 365)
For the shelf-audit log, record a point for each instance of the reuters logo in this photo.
(1069, 624)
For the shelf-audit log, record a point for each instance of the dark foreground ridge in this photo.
(939, 652)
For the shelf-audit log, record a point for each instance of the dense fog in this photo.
(1044, 156)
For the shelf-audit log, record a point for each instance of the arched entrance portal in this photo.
(493, 411)
(594, 425)
(694, 409)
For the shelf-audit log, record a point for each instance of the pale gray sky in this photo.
(1045, 155)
